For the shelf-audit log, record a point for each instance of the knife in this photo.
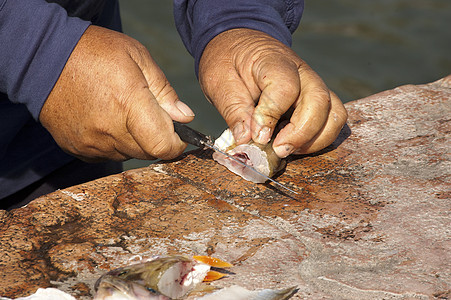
(194, 137)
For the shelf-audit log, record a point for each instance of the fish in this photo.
(236, 292)
(194, 137)
(260, 157)
(168, 277)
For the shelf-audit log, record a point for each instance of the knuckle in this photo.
(321, 97)
(268, 116)
(161, 89)
(135, 47)
(91, 147)
(290, 87)
(162, 149)
(234, 112)
(340, 114)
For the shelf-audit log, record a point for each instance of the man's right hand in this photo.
(112, 101)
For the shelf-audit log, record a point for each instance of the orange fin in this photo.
(213, 275)
(212, 261)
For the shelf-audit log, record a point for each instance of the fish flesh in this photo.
(169, 277)
(260, 157)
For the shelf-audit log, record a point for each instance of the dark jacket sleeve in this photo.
(36, 39)
(199, 21)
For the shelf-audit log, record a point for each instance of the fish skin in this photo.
(260, 157)
(114, 288)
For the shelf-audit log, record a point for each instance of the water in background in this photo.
(358, 47)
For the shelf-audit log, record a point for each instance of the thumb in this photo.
(168, 99)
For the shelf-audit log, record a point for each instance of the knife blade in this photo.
(194, 137)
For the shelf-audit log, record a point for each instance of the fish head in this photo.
(171, 276)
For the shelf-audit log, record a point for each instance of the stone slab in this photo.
(371, 220)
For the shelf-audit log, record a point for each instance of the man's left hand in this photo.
(255, 81)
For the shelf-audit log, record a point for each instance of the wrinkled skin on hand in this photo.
(112, 101)
(254, 81)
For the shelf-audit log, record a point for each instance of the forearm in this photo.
(200, 21)
(36, 39)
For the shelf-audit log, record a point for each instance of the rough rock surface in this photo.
(371, 221)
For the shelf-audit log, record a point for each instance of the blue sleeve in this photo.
(199, 21)
(36, 39)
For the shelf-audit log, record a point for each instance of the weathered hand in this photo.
(113, 101)
(254, 81)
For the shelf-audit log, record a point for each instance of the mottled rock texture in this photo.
(371, 221)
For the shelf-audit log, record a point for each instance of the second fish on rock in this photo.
(176, 277)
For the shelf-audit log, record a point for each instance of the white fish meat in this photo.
(260, 157)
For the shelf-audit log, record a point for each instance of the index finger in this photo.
(278, 79)
(151, 127)
(310, 114)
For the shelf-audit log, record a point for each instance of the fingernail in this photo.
(238, 131)
(184, 109)
(284, 150)
(264, 135)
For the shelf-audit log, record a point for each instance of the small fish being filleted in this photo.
(252, 161)
(261, 157)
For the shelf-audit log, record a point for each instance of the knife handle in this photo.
(189, 135)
